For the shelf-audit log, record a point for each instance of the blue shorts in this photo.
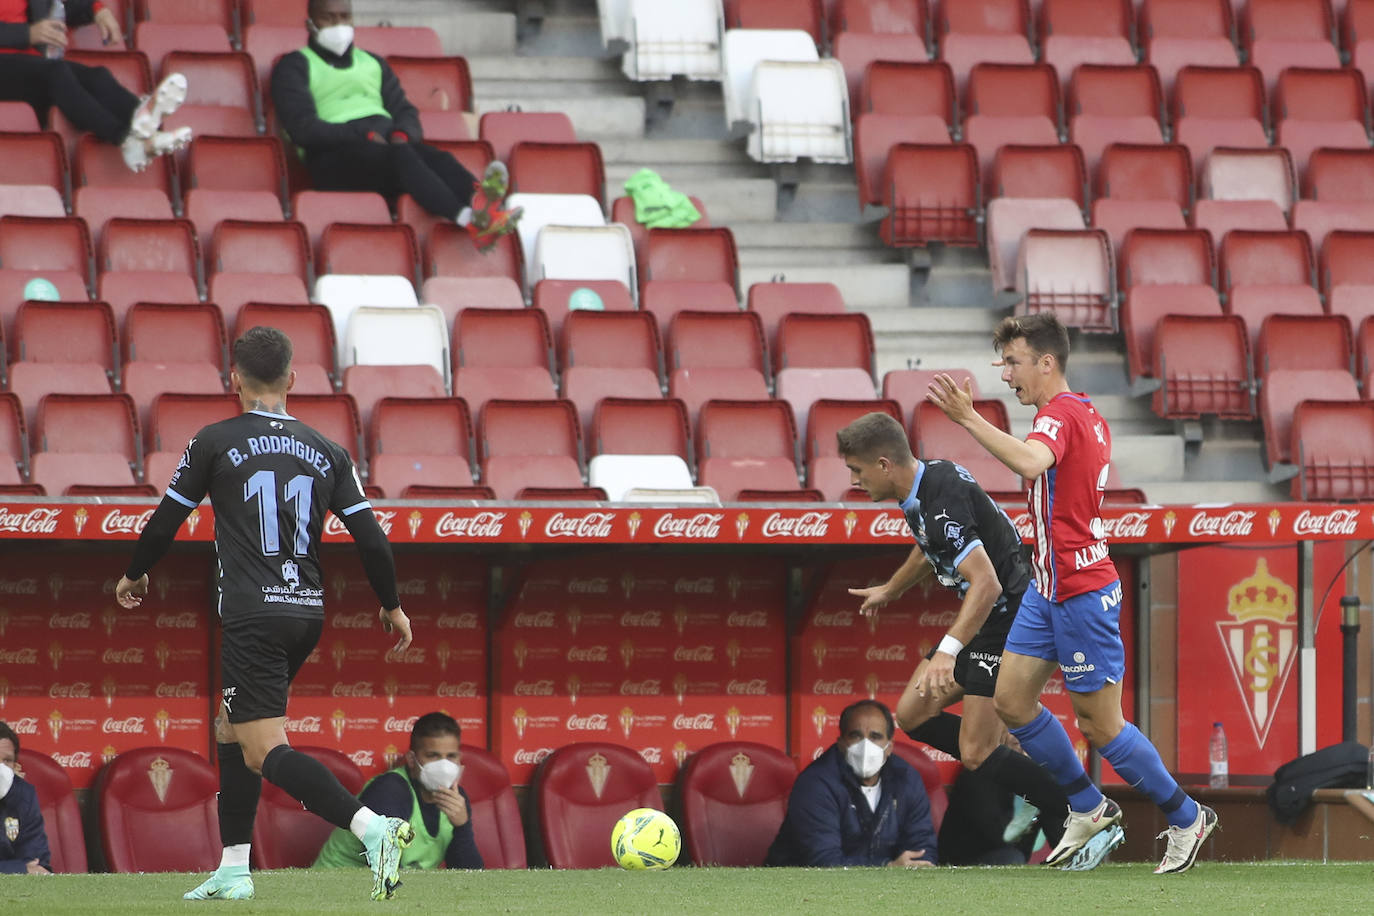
(1082, 634)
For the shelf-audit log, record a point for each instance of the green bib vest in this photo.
(348, 93)
(344, 850)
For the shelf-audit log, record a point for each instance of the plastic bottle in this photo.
(59, 12)
(1216, 753)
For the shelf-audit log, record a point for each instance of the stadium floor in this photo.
(1270, 887)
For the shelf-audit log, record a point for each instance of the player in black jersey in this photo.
(970, 545)
(270, 479)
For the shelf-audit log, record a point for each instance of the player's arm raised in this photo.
(984, 588)
(1028, 458)
(909, 574)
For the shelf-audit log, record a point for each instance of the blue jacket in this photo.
(829, 821)
(22, 838)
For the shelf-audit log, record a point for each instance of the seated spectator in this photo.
(346, 112)
(32, 70)
(857, 804)
(24, 844)
(424, 790)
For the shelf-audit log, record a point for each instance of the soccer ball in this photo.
(645, 838)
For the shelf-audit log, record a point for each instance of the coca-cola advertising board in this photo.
(1238, 654)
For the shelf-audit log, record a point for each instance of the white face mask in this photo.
(865, 758)
(336, 38)
(439, 774)
(6, 780)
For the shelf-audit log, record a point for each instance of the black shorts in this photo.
(258, 660)
(976, 666)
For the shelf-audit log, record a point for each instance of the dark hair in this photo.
(263, 355)
(1043, 332)
(7, 732)
(434, 725)
(872, 436)
(853, 708)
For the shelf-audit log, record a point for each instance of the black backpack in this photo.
(1340, 766)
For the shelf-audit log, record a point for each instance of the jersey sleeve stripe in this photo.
(968, 549)
(179, 498)
(357, 507)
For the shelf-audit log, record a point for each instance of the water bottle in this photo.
(59, 12)
(1216, 753)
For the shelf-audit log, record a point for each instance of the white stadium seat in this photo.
(550, 209)
(677, 38)
(799, 110)
(397, 337)
(344, 293)
(617, 474)
(30, 200)
(585, 253)
(1009, 218)
(744, 49)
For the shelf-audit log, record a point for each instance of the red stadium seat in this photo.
(317, 209)
(555, 297)
(884, 17)
(146, 380)
(1010, 103)
(1218, 217)
(236, 164)
(734, 797)
(157, 811)
(65, 332)
(620, 339)
(1340, 175)
(1142, 310)
(623, 211)
(746, 445)
(856, 51)
(434, 84)
(1258, 258)
(35, 158)
(85, 438)
(1142, 186)
(285, 835)
(206, 209)
(789, 495)
(97, 206)
(933, 194)
(1156, 257)
(1069, 272)
(130, 68)
(46, 244)
(694, 387)
(175, 418)
(420, 440)
(334, 415)
(1008, 222)
(580, 791)
(1320, 108)
(61, 817)
(389, 40)
(641, 426)
(495, 813)
(908, 88)
(232, 291)
(1331, 444)
(1215, 106)
(310, 327)
(1179, 33)
(158, 39)
(806, 15)
(215, 81)
(1203, 364)
(18, 116)
(1303, 342)
(1040, 172)
(361, 248)
(150, 245)
(32, 381)
(1110, 104)
(1357, 30)
(240, 246)
(267, 42)
(529, 443)
(665, 299)
(96, 164)
(874, 136)
(908, 387)
(931, 778)
(716, 340)
(369, 384)
(824, 342)
(451, 252)
(979, 31)
(176, 333)
(504, 129)
(774, 300)
(933, 435)
(587, 386)
(484, 338)
(1283, 391)
(1278, 34)
(1082, 32)
(453, 294)
(425, 491)
(1346, 274)
(693, 254)
(214, 12)
(800, 388)
(123, 289)
(825, 467)
(521, 383)
(558, 168)
(14, 438)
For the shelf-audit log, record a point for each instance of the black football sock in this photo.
(239, 788)
(1022, 776)
(311, 783)
(940, 732)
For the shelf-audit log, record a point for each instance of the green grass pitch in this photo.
(1282, 888)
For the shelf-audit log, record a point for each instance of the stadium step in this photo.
(863, 287)
(592, 118)
(464, 27)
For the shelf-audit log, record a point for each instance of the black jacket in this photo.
(829, 822)
(20, 815)
(296, 112)
(16, 34)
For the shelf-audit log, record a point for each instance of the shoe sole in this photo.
(1094, 852)
(387, 877)
(1067, 855)
(1197, 847)
(169, 95)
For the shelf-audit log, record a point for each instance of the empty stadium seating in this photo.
(746, 444)
(495, 814)
(141, 792)
(1331, 443)
(1069, 272)
(730, 819)
(934, 435)
(529, 443)
(933, 193)
(679, 39)
(1179, 33)
(571, 806)
(61, 817)
(1283, 391)
(1203, 364)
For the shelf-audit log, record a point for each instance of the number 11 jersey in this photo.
(270, 479)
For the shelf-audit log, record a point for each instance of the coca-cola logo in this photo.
(535, 620)
(839, 687)
(186, 620)
(806, 525)
(598, 586)
(1233, 524)
(415, 655)
(650, 687)
(749, 619)
(889, 526)
(644, 619)
(117, 522)
(456, 689)
(361, 620)
(76, 760)
(937, 618)
(756, 687)
(833, 619)
(596, 722)
(394, 724)
(701, 585)
(479, 525)
(1337, 523)
(27, 725)
(1025, 525)
(694, 654)
(132, 725)
(336, 528)
(357, 689)
(651, 755)
(1131, 525)
(67, 691)
(703, 526)
(588, 654)
(179, 690)
(77, 621)
(131, 656)
(591, 525)
(26, 656)
(895, 653)
(362, 759)
(522, 757)
(20, 586)
(305, 725)
(701, 722)
(540, 688)
(466, 621)
(34, 521)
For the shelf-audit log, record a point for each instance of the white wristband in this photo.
(950, 646)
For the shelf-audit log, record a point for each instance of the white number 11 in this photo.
(262, 486)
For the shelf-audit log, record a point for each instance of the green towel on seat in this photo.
(657, 205)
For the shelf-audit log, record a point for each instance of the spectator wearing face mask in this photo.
(23, 842)
(857, 804)
(423, 789)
